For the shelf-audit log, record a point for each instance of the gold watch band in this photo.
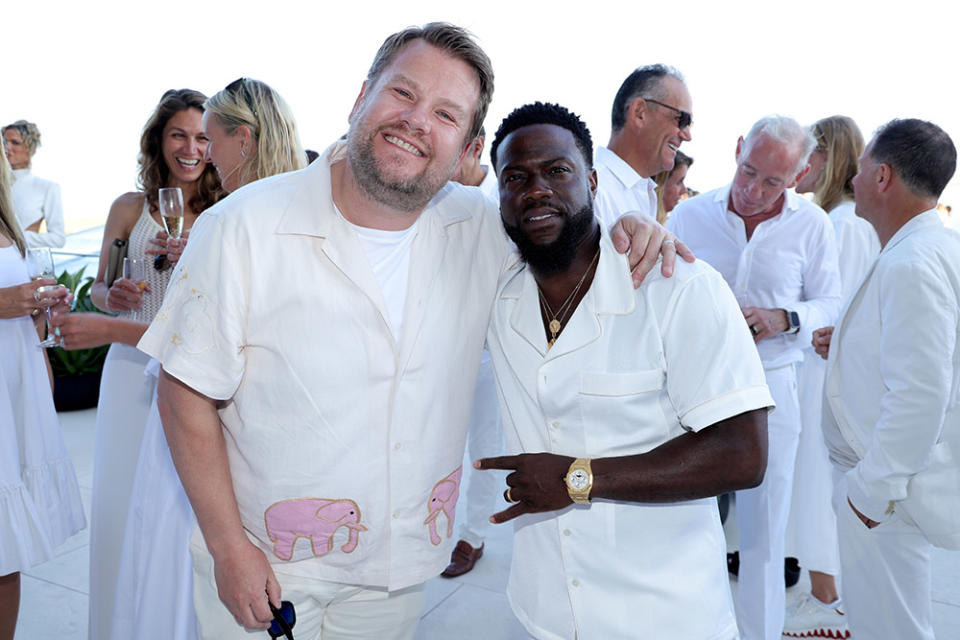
(579, 480)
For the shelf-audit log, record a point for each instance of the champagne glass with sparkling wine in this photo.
(171, 211)
(39, 266)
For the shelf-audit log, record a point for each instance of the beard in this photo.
(410, 194)
(557, 256)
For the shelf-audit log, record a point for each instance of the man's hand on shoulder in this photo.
(537, 483)
(646, 240)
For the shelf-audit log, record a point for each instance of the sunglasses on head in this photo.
(283, 620)
(241, 84)
(684, 118)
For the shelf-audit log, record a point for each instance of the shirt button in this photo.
(555, 424)
(397, 446)
(396, 514)
(567, 532)
(575, 582)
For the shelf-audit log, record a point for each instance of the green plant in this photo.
(82, 361)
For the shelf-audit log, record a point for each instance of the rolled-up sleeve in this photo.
(199, 332)
(713, 369)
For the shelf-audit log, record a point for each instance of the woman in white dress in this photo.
(40, 503)
(35, 200)
(252, 135)
(812, 530)
(172, 148)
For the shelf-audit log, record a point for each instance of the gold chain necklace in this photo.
(557, 319)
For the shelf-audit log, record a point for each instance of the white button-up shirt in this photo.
(620, 189)
(337, 433)
(857, 246)
(892, 382)
(790, 262)
(631, 370)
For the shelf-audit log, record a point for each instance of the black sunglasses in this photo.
(684, 118)
(283, 620)
(241, 84)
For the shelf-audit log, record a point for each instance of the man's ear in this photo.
(477, 148)
(592, 179)
(739, 149)
(359, 101)
(884, 177)
(638, 111)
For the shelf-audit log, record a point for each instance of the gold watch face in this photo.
(579, 479)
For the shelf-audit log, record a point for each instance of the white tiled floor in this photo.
(55, 594)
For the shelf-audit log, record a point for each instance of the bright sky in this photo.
(89, 73)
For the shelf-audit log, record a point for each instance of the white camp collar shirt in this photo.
(275, 309)
(789, 263)
(620, 189)
(892, 381)
(631, 370)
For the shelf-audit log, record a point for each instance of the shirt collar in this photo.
(621, 170)
(307, 214)
(611, 291)
(929, 218)
(791, 204)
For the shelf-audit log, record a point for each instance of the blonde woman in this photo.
(40, 503)
(251, 135)
(35, 200)
(812, 531)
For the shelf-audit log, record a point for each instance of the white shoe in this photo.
(810, 618)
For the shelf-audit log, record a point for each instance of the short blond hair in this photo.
(28, 131)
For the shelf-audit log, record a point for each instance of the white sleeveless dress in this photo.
(155, 585)
(125, 397)
(40, 505)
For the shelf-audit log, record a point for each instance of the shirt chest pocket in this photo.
(622, 411)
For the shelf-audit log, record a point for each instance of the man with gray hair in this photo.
(651, 118)
(777, 252)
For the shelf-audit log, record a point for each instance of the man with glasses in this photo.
(651, 118)
(777, 252)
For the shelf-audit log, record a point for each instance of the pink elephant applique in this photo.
(443, 498)
(314, 518)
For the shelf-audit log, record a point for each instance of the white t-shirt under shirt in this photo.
(389, 255)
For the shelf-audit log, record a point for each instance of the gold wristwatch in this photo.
(579, 480)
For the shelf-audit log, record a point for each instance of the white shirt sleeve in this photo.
(53, 216)
(200, 331)
(920, 319)
(821, 285)
(713, 369)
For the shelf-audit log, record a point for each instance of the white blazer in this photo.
(892, 383)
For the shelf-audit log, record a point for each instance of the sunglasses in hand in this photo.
(283, 620)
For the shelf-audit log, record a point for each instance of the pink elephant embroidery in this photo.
(443, 498)
(314, 518)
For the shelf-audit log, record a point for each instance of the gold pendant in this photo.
(554, 326)
(550, 343)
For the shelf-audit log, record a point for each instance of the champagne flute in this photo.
(135, 271)
(171, 211)
(39, 266)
